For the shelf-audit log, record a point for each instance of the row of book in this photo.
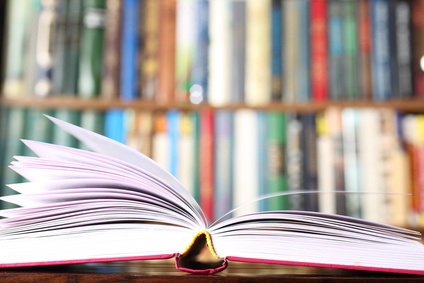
(360, 162)
(218, 52)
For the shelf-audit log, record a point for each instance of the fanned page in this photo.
(114, 203)
(319, 240)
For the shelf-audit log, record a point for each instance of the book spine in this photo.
(173, 130)
(403, 47)
(303, 81)
(72, 45)
(350, 32)
(130, 42)
(112, 51)
(149, 49)
(382, 80)
(291, 50)
(246, 177)
(3, 17)
(91, 47)
(223, 163)
(350, 156)
(276, 50)
(294, 160)
(417, 47)
(199, 71)
(319, 50)
(18, 17)
(184, 48)
(186, 153)
(59, 38)
(42, 85)
(309, 161)
(238, 51)
(364, 49)
(326, 174)
(219, 52)
(336, 52)
(115, 125)
(206, 156)
(160, 140)
(167, 43)
(369, 146)
(276, 175)
(258, 49)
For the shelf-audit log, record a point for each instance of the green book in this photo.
(276, 176)
(91, 48)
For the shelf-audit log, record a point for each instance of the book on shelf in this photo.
(113, 203)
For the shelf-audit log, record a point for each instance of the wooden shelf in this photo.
(104, 104)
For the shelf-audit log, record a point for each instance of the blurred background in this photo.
(236, 98)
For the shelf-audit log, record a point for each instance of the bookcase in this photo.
(235, 98)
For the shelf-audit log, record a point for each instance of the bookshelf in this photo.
(162, 81)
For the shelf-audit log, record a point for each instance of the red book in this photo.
(319, 50)
(167, 32)
(206, 156)
(364, 46)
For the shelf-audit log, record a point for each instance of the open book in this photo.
(114, 203)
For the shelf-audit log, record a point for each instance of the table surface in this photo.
(164, 271)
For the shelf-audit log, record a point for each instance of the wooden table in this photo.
(164, 271)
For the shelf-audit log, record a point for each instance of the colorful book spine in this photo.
(309, 160)
(336, 49)
(326, 157)
(319, 50)
(17, 25)
(351, 161)
(417, 47)
(291, 50)
(364, 49)
(258, 49)
(199, 71)
(382, 77)
(91, 48)
(167, 38)
(219, 53)
(238, 51)
(403, 47)
(276, 50)
(206, 157)
(294, 161)
(173, 130)
(149, 49)
(130, 44)
(223, 163)
(184, 49)
(187, 154)
(112, 51)
(350, 32)
(275, 147)
(303, 81)
(246, 174)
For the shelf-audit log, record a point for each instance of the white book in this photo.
(246, 161)
(370, 154)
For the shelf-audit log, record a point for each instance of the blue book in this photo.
(115, 125)
(129, 54)
(173, 122)
(199, 79)
(304, 54)
(277, 50)
(380, 53)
